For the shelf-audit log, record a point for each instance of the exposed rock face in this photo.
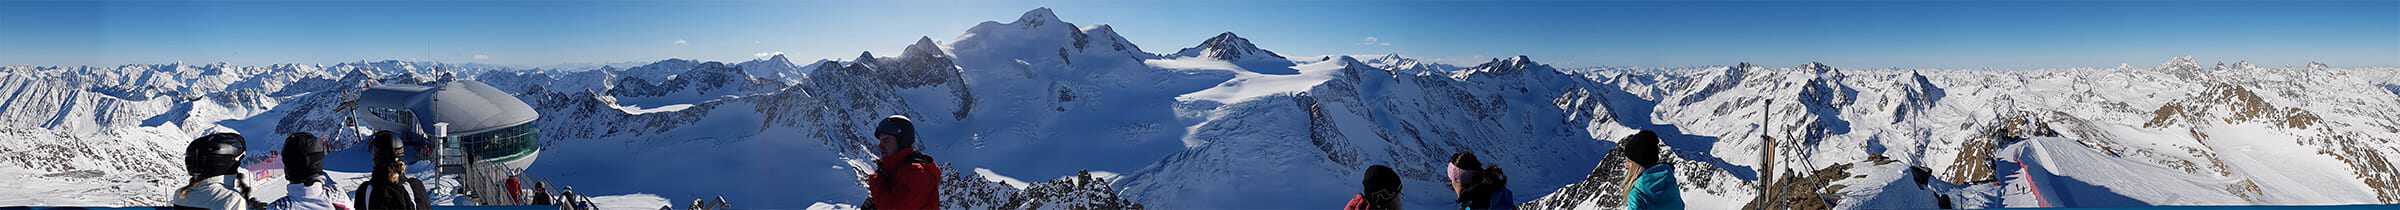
(705, 79)
(1604, 188)
(921, 64)
(1974, 161)
(2375, 170)
(1082, 191)
(1813, 191)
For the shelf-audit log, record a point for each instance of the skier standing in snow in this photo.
(389, 187)
(311, 189)
(1382, 190)
(1478, 186)
(903, 179)
(1652, 186)
(214, 161)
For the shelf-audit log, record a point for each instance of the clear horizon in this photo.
(1850, 34)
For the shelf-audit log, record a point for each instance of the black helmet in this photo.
(383, 143)
(1380, 178)
(213, 155)
(302, 158)
(903, 132)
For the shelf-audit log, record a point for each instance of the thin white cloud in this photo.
(680, 42)
(765, 54)
(483, 57)
(1372, 41)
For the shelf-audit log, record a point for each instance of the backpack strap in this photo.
(412, 192)
(366, 195)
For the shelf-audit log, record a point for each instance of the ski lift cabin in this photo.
(467, 127)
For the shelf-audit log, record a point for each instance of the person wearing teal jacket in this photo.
(1653, 186)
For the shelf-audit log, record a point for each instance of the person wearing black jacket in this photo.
(389, 187)
(541, 194)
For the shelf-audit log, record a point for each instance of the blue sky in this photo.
(1859, 34)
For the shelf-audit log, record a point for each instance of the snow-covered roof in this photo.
(469, 106)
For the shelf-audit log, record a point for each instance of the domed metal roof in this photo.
(469, 106)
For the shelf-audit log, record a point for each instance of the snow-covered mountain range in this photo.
(1088, 119)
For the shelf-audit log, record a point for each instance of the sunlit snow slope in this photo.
(1037, 112)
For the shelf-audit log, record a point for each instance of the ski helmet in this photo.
(903, 132)
(302, 158)
(1380, 178)
(214, 154)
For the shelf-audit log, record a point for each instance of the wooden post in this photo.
(1766, 158)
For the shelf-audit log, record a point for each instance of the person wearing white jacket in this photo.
(214, 193)
(303, 164)
(214, 162)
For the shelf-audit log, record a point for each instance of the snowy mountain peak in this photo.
(1106, 36)
(2184, 67)
(1511, 65)
(778, 57)
(774, 60)
(1037, 17)
(1103, 30)
(673, 62)
(1819, 68)
(864, 57)
(1405, 65)
(661, 70)
(1391, 60)
(2181, 63)
(1350, 61)
(714, 67)
(924, 47)
(1227, 46)
(1042, 39)
(775, 67)
(2315, 66)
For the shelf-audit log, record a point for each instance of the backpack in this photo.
(366, 194)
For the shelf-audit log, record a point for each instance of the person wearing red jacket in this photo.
(903, 178)
(514, 197)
